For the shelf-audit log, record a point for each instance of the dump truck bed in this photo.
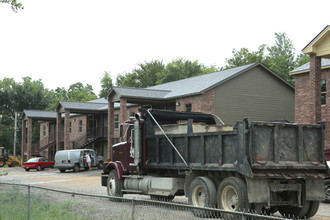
(247, 148)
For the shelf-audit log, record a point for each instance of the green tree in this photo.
(244, 56)
(144, 76)
(106, 85)
(180, 69)
(282, 56)
(15, 6)
(15, 97)
(301, 59)
(79, 92)
(76, 92)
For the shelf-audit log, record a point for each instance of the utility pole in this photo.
(15, 137)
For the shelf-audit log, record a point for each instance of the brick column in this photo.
(58, 130)
(327, 113)
(111, 128)
(315, 88)
(67, 130)
(123, 116)
(23, 140)
(29, 138)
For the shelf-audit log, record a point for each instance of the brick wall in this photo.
(304, 101)
(75, 126)
(200, 103)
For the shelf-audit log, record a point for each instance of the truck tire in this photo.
(114, 184)
(202, 193)
(232, 195)
(38, 168)
(313, 207)
(327, 190)
(294, 212)
(162, 198)
(76, 168)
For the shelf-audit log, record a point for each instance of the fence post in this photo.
(28, 202)
(133, 207)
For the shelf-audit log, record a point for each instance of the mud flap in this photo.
(314, 189)
(258, 190)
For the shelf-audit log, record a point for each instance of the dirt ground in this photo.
(88, 182)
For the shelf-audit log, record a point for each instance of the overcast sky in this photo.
(63, 42)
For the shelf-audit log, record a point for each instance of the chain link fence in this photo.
(20, 201)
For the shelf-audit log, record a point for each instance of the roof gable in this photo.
(320, 45)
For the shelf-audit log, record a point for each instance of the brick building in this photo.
(312, 97)
(251, 90)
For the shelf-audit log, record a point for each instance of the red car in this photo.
(38, 163)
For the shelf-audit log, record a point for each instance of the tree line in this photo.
(32, 94)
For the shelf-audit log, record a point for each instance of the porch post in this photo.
(315, 88)
(67, 130)
(29, 138)
(23, 140)
(111, 125)
(58, 130)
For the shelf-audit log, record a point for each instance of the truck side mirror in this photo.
(121, 132)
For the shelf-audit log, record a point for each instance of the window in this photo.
(131, 114)
(44, 128)
(188, 107)
(80, 125)
(116, 121)
(70, 127)
(323, 92)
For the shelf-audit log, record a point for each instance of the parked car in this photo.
(38, 163)
(74, 159)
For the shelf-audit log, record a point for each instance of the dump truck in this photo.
(254, 165)
(6, 159)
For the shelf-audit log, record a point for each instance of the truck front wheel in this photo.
(232, 195)
(114, 184)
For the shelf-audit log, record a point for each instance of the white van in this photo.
(74, 159)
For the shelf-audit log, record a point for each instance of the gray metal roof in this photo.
(198, 84)
(305, 67)
(100, 100)
(142, 92)
(40, 114)
(86, 106)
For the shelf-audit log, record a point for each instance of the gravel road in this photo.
(90, 182)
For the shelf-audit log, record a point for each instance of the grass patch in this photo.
(14, 205)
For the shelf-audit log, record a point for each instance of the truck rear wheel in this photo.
(327, 190)
(313, 207)
(114, 184)
(232, 195)
(202, 193)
